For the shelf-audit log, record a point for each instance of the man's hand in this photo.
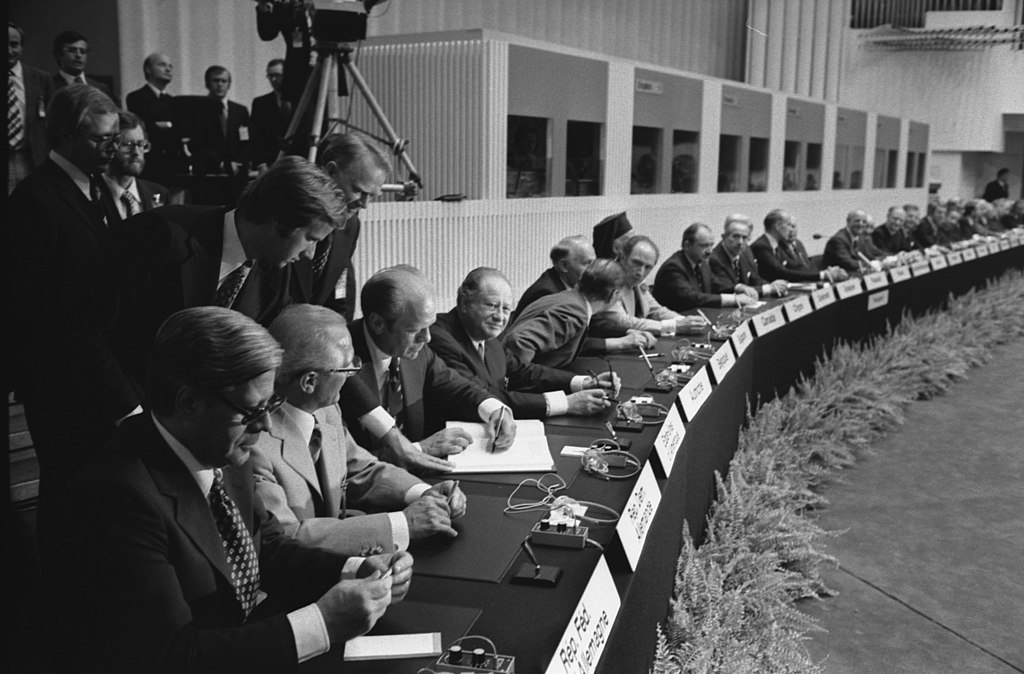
(743, 299)
(397, 449)
(742, 289)
(450, 492)
(352, 607)
(632, 340)
(686, 324)
(835, 274)
(605, 380)
(501, 427)
(428, 515)
(586, 402)
(780, 287)
(446, 441)
(400, 565)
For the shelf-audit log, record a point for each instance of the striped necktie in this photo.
(15, 124)
(131, 204)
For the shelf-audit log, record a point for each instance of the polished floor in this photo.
(931, 567)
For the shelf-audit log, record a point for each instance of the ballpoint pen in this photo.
(497, 430)
(611, 375)
(704, 316)
(643, 354)
(529, 553)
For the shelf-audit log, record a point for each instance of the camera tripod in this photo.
(323, 84)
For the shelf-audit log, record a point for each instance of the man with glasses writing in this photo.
(129, 194)
(310, 473)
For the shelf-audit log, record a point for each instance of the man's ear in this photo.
(307, 382)
(188, 402)
(376, 323)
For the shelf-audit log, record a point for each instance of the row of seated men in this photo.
(223, 463)
(201, 135)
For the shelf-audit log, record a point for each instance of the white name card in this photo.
(849, 288)
(823, 297)
(638, 514)
(741, 338)
(938, 262)
(877, 300)
(798, 307)
(900, 274)
(955, 258)
(722, 362)
(1004, 245)
(876, 281)
(696, 391)
(586, 636)
(920, 268)
(1016, 238)
(993, 247)
(969, 254)
(766, 321)
(670, 439)
(982, 250)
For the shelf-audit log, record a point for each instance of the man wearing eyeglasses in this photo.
(128, 194)
(310, 473)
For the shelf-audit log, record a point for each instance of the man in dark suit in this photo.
(313, 477)
(551, 330)
(892, 237)
(56, 224)
(71, 51)
(733, 267)
(178, 567)
(998, 188)
(780, 255)
(843, 249)
(270, 116)
(569, 257)
(683, 281)
(127, 194)
(466, 338)
(152, 104)
(409, 380)
(26, 133)
(177, 257)
(224, 128)
(928, 231)
(359, 167)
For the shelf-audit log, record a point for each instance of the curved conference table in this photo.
(603, 613)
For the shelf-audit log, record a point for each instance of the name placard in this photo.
(586, 636)
(920, 268)
(1004, 245)
(955, 258)
(798, 307)
(769, 320)
(670, 439)
(938, 262)
(900, 274)
(636, 517)
(849, 288)
(741, 338)
(879, 299)
(722, 362)
(876, 281)
(982, 250)
(969, 254)
(696, 391)
(993, 247)
(822, 297)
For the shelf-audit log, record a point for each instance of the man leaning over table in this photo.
(313, 477)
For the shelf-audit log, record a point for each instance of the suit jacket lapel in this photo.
(92, 214)
(335, 462)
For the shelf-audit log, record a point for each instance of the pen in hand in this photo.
(497, 430)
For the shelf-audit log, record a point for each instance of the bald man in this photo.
(733, 267)
(843, 249)
(569, 257)
(152, 104)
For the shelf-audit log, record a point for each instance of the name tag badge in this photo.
(164, 124)
(42, 108)
(243, 133)
(340, 292)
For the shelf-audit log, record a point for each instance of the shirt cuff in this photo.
(728, 299)
(668, 327)
(487, 408)
(399, 530)
(767, 290)
(579, 382)
(351, 568)
(377, 422)
(310, 630)
(557, 403)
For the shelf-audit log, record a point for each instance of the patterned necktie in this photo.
(15, 124)
(391, 393)
(736, 269)
(232, 284)
(238, 545)
(320, 261)
(131, 204)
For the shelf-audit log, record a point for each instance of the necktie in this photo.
(224, 120)
(320, 261)
(736, 269)
(131, 204)
(316, 442)
(238, 545)
(15, 124)
(232, 284)
(482, 350)
(391, 393)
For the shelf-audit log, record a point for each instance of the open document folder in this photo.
(529, 453)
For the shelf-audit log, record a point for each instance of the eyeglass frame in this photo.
(144, 146)
(251, 416)
(104, 141)
(354, 366)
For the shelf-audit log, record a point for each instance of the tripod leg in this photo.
(329, 64)
(303, 104)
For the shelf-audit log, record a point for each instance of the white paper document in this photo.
(529, 453)
(393, 646)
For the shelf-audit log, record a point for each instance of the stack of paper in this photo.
(529, 453)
